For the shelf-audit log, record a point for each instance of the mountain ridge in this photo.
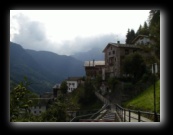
(42, 68)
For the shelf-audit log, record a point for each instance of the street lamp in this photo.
(154, 70)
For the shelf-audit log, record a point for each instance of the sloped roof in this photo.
(120, 45)
(139, 36)
(95, 63)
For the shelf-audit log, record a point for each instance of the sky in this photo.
(67, 32)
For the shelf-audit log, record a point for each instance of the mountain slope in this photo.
(58, 65)
(94, 53)
(43, 69)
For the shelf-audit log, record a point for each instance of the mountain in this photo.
(43, 69)
(94, 53)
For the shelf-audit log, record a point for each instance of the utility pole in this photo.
(154, 70)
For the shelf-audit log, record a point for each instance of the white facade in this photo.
(37, 110)
(143, 41)
(71, 85)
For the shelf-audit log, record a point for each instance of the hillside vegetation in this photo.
(76, 96)
(145, 100)
(43, 69)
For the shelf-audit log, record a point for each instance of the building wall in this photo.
(72, 85)
(143, 41)
(90, 71)
(113, 59)
(37, 110)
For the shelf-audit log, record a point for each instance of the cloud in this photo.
(84, 44)
(32, 35)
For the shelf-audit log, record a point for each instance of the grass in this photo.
(145, 101)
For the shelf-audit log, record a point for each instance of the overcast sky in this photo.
(70, 31)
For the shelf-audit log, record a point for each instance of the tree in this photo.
(20, 102)
(88, 96)
(146, 29)
(64, 87)
(130, 36)
(134, 66)
(112, 82)
(139, 31)
(154, 29)
(56, 112)
(127, 36)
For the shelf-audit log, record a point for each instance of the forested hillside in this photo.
(43, 69)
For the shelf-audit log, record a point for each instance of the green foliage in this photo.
(64, 87)
(134, 66)
(20, 102)
(98, 81)
(154, 27)
(128, 86)
(56, 113)
(145, 101)
(58, 109)
(88, 96)
(143, 30)
(130, 36)
(112, 82)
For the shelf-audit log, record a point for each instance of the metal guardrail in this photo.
(92, 115)
(142, 116)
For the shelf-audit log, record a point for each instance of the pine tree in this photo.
(130, 36)
(154, 29)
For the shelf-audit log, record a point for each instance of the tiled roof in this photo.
(121, 45)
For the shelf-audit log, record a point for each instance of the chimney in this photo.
(118, 42)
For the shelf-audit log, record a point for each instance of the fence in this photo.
(127, 115)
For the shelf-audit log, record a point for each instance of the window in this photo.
(113, 52)
(109, 53)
